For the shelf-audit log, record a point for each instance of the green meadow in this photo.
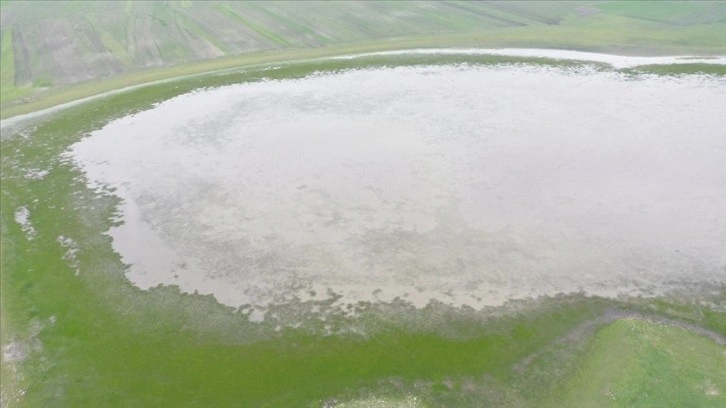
(643, 364)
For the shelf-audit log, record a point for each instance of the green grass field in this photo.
(634, 363)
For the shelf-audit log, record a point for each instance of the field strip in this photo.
(586, 329)
(616, 61)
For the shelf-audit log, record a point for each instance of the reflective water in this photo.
(617, 61)
(466, 184)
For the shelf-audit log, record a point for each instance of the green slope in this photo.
(635, 363)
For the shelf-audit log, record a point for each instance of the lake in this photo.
(468, 184)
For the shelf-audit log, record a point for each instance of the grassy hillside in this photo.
(56, 43)
(635, 363)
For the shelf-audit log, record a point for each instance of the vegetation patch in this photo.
(639, 363)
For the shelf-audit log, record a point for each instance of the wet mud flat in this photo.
(471, 185)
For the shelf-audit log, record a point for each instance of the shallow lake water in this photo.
(466, 184)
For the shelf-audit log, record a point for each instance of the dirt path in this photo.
(586, 329)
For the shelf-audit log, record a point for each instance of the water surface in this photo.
(466, 184)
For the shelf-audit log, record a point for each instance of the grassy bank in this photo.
(634, 363)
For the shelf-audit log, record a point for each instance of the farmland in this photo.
(104, 45)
